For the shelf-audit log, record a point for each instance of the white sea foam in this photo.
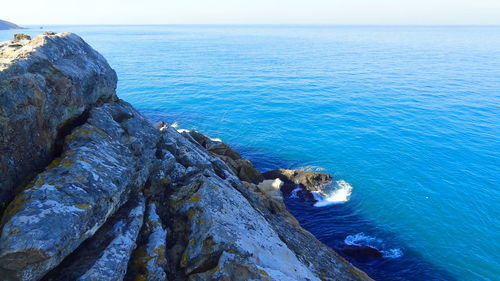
(294, 193)
(360, 239)
(340, 193)
(392, 253)
(175, 124)
(311, 168)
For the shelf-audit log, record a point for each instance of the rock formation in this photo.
(307, 181)
(94, 191)
(8, 25)
(47, 85)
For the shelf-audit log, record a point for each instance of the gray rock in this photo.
(46, 86)
(242, 168)
(20, 36)
(216, 233)
(309, 181)
(103, 161)
(320, 259)
(149, 259)
(105, 256)
(83, 160)
(112, 264)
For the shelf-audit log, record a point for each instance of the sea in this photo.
(405, 118)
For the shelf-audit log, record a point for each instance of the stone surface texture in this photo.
(307, 181)
(46, 84)
(103, 194)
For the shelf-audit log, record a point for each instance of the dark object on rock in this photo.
(21, 36)
(49, 33)
(309, 181)
(362, 253)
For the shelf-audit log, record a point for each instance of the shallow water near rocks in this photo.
(407, 116)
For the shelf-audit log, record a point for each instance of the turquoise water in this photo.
(407, 116)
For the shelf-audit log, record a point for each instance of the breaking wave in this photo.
(339, 192)
(360, 239)
(295, 192)
(311, 168)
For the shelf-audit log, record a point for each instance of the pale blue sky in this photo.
(420, 12)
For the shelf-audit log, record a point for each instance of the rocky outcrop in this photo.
(4, 25)
(20, 37)
(240, 167)
(102, 162)
(308, 181)
(149, 259)
(110, 197)
(221, 235)
(47, 87)
(105, 256)
(320, 259)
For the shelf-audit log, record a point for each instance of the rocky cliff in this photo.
(8, 25)
(93, 191)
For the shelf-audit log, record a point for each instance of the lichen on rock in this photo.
(104, 195)
(46, 85)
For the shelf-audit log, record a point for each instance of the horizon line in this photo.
(259, 24)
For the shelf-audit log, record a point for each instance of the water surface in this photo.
(408, 116)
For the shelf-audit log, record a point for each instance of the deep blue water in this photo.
(408, 116)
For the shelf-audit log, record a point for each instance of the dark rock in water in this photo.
(312, 181)
(20, 36)
(99, 187)
(362, 253)
(8, 25)
(307, 180)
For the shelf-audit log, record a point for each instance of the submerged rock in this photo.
(362, 253)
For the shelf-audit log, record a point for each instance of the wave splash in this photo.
(340, 192)
(311, 168)
(360, 239)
